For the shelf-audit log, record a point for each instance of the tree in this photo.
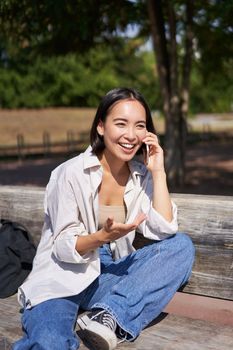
(49, 27)
(178, 28)
(174, 75)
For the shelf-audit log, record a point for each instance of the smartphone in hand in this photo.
(146, 154)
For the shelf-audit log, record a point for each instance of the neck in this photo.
(113, 166)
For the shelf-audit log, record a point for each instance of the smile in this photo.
(127, 145)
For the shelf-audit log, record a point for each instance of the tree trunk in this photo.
(185, 83)
(175, 98)
(174, 161)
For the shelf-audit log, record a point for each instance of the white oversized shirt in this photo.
(71, 210)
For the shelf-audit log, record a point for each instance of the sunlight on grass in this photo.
(33, 123)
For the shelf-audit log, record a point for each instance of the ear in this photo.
(100, 128)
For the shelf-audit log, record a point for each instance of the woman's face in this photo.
(124, 129)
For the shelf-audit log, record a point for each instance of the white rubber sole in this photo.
(98, 336)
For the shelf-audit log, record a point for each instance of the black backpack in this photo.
(16, 255)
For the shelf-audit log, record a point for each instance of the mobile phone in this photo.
(147, 154)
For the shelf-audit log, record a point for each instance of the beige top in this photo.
(118, 212)
(115, 211)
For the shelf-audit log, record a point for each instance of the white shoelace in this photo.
(123, 336)
(106, 319)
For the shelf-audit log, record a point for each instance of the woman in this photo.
(94, 203)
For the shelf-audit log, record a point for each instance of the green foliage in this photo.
(212, 76)
(60, 27)
(77, 80)
(212, 93)
(81, 80)
(69, 53)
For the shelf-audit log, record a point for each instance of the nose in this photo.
(130, 134)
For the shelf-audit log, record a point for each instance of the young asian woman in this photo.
(94, 204)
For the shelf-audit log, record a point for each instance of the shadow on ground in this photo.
(209, 170)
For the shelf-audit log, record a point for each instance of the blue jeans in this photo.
(134, 289)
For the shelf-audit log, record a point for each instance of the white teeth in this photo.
(127, 145)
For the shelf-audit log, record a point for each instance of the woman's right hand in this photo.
(112, 230)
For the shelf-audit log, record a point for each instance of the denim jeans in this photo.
(134, 289)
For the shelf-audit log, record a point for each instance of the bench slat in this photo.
(166, 332)
(25, 205)
(209, 222)
(207, 219)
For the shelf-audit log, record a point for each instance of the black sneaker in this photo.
(98, 330)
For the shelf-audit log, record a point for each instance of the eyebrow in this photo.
(125, 120)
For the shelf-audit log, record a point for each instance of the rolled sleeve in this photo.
(158, 228)
(64, 247)
(63, 212)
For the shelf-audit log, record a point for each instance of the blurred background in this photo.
(58, 58)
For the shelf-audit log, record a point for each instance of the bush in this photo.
(75, 80)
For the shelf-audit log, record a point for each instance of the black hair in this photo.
(118, 94)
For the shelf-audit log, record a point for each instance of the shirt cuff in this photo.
(65, 250)
(159, 228)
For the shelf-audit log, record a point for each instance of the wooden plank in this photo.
(209, 222)
(178, 333)
(10, 327)
(168, 332)
(25, 205)
(207, 219)
(200, 307)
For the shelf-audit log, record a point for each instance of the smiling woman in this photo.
(124, 129)
(107, 107)
(94, 204)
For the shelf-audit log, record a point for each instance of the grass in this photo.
(32, 123)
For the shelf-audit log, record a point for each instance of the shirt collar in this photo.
(90, 159)
(137, 167)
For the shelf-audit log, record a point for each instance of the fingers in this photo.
(153, 142)
(110, 220)
(137, 221)
(109, 223)
(153, 136)
(150, 137)
(115, 230)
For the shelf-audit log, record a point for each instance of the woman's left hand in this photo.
(156, 156)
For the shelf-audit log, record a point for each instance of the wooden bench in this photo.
(201, 316)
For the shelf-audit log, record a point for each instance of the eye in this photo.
(121, 125)
(141, 126)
